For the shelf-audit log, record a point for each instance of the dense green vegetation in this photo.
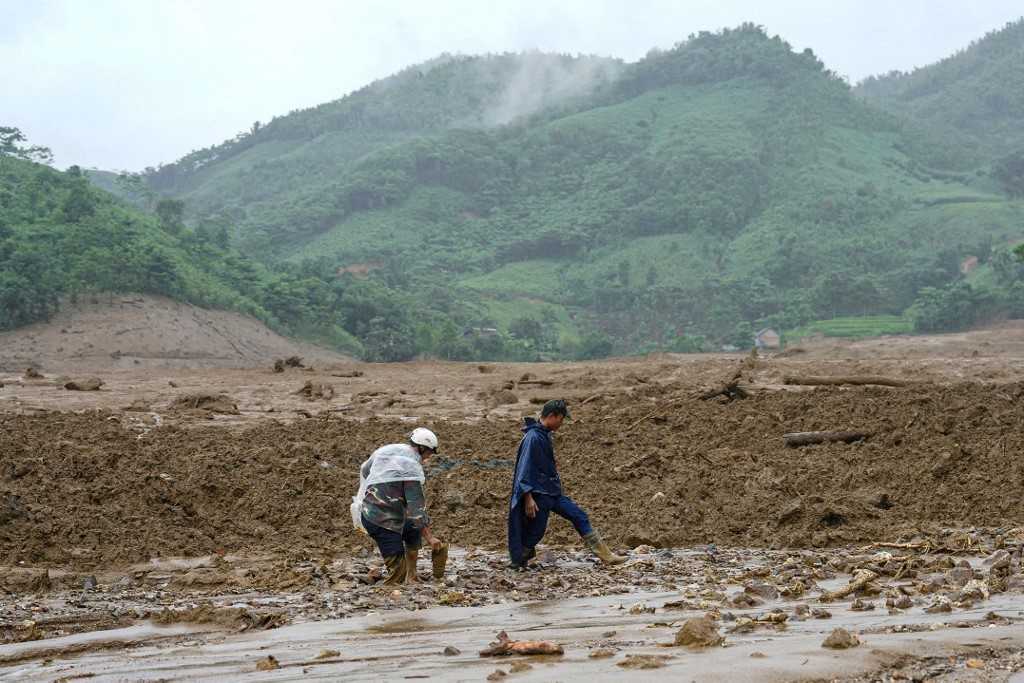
(973, 98)
(523, 206)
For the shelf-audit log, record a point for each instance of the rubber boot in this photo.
(528, 554)
(396, 570)
(410, 565)
(601, 549)
(439, 559)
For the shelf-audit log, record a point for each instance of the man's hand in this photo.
(531, 506)
(433, 541)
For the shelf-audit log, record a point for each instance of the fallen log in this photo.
(861, 579)
(798, 439)
(506, 646)
(839, 380)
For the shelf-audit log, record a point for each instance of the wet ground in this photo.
(768, 605)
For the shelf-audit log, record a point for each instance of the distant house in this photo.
(767, 339)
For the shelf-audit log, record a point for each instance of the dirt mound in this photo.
(235, 618)
(211, 403)
(89, 384)
(313, 391)
(147, 331)
(88, 490)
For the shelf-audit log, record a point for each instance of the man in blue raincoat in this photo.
(537, 492)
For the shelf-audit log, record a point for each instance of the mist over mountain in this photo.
(580, 206)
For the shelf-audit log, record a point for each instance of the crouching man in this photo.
(537, 492)
(394, 509)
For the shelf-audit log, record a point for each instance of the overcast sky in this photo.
(124, 84)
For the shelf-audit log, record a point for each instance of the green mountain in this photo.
(61, 237)
(972, 100)
(679, 201)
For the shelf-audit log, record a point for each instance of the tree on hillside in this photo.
(171, 213)
(13, 143)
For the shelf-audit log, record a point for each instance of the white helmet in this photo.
(424, 437)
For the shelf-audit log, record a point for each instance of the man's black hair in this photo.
(555, 407)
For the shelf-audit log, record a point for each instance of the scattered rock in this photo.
(841, 639)
(974, 590)
(328, 654)
(699, 632)
(758, 655)
(519, 667)
(496, 675)
(762, 590)
(32, 373)
(501, 397)
(313, 391)
(89, 384)
(269, 663)
(939, 605)
(602, 653)
(861, 605)
(89, 583)
(644, 661)
(451, 651)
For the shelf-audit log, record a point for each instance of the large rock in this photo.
(699, 632)
(840, 639)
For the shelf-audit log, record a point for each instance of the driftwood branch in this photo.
(861, 579)
(506, 646)
(798, 439)
(855, 380)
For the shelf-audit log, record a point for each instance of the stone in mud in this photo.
(791, 512)
(451, 651)
(974, 590)
(602, 653)
(861, 605)
(269, 663)
(762, 590)
(328, 654)
(89, 583)
(903, 602)
(519, 667)
(497, 675)
(840, 639)
(959, 576)
(819, 613)
(644, 661)
(744, 600)
(89, 384)
(699, 632)
(939, 605)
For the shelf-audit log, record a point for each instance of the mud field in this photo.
(184, 523)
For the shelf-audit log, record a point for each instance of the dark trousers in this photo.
(391, 542)
(524, 532)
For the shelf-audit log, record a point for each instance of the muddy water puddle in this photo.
(339, 624)
(396, 646)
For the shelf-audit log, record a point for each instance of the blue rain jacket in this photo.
(535, 464)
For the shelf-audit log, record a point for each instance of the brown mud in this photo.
(216, 500)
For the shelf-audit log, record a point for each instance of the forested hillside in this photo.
(679, 202)
(62, 238)
(974, 99)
